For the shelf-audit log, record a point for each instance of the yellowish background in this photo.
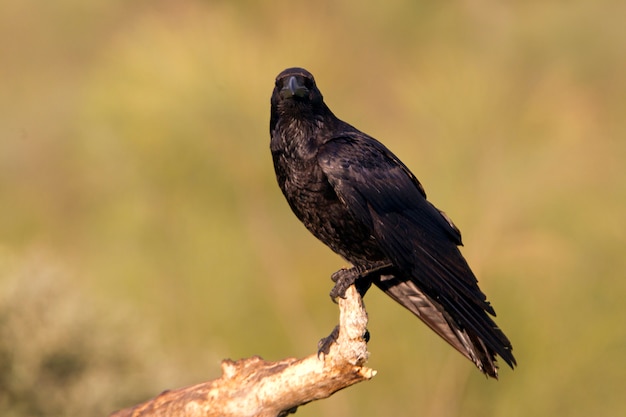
(143, 237)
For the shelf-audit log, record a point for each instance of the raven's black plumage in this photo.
(358, 198)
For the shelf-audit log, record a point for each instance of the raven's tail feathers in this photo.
(479, 348)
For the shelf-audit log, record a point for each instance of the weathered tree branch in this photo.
(254, 387)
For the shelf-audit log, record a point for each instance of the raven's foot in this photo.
(343, 279)
(323, 346)
(361, 277)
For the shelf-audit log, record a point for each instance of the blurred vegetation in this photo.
(62, 353)
(134, 152)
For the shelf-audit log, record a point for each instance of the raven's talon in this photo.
(336, 276)
(337, 292)
(323, 346)
(343, 279)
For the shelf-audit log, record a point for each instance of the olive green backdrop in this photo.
(143, 237)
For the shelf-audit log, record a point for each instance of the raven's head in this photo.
(296, 95)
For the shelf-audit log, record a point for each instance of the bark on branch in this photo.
(255, 387)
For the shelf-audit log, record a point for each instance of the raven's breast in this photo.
(314, 201)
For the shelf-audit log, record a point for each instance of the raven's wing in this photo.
(434, 281)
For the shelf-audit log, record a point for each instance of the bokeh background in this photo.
(143, 238)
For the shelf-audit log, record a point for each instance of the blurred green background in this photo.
(143, 238)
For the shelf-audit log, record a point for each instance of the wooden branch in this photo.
(254, 387)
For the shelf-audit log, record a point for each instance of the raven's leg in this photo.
(360, 276)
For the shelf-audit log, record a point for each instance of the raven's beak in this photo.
(294, 88)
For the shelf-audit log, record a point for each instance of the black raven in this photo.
(358, 198)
